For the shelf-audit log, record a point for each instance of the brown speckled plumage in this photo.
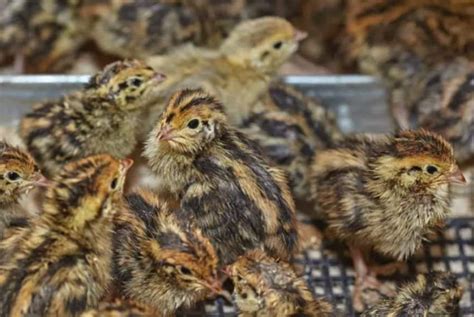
(196, 154)
(101, 118)
(119, 308)
(440, 99)
(290, 130)
(264, 286)
(160, 259)
(431, 294)
(18, 175)
(60, 266)
(383, 193)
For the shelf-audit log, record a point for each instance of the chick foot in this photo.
(366, 278)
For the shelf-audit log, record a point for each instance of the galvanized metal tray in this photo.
(360, 105)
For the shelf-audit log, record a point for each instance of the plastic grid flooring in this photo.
(329, 272)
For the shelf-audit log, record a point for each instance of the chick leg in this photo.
(363, 279)
(19, 64)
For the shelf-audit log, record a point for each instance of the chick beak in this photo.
(457, 177)
(166, 133)
(300, 35)
(126, 164)
(226, 271)
(41, 181)
(215, 286)
(159, 77)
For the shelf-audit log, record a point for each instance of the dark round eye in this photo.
(193, 124)
(185, 270)
(13, 176)
(244, 295)
(278, 45)
(431, 169)
(114, 183)
(136, 82)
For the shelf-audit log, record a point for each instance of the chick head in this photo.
(191, 120)
(441, 288)
(86, 191)
(128, 84)
(186, 264)
(419, 159)
(18, 173)
(263, 44)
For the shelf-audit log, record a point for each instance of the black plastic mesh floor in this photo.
(329, 272)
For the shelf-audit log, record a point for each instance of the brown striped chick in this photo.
(264, 286)
(440, 99)
(61, 265)
(224, 184)
(243, 65)
(42, 36)
(291, 129)
(118, 308)
(160, 260)
(431, 294)
(139, 29)
(383, 194)
(100, 118)
(18, 175)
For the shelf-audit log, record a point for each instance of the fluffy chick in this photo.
(61, 265)
(264, 286)
(289, 132)
(100, 118)
(440, 99)
(383, 193)
(160, 259)
(242, 66)
(139, 29)
(43, 35)
(196, 154)
(431, 294)
(18, 175)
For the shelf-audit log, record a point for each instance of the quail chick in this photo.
(440, 99)
(384, 193)
(431, 294)
(118, 308)
(139, 29)
(18, 175)
(160, 259)
(243, 65)
(61, 265)
(195, 153)
(264, 286)
(43, 35)
(101, 118)
(290, 130)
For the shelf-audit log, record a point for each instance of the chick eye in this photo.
(193, 124)
(431, 169)
(278, 45)
(114, 184)
(13, 176)
(185, 270)
(136, 82)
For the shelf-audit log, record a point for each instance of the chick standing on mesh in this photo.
(264, 286)
(18, 175)
(238, 72)
(160, 259)
(101, 118)
(61, 265)
(431, 294)
(223, 182)
(383, 194)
